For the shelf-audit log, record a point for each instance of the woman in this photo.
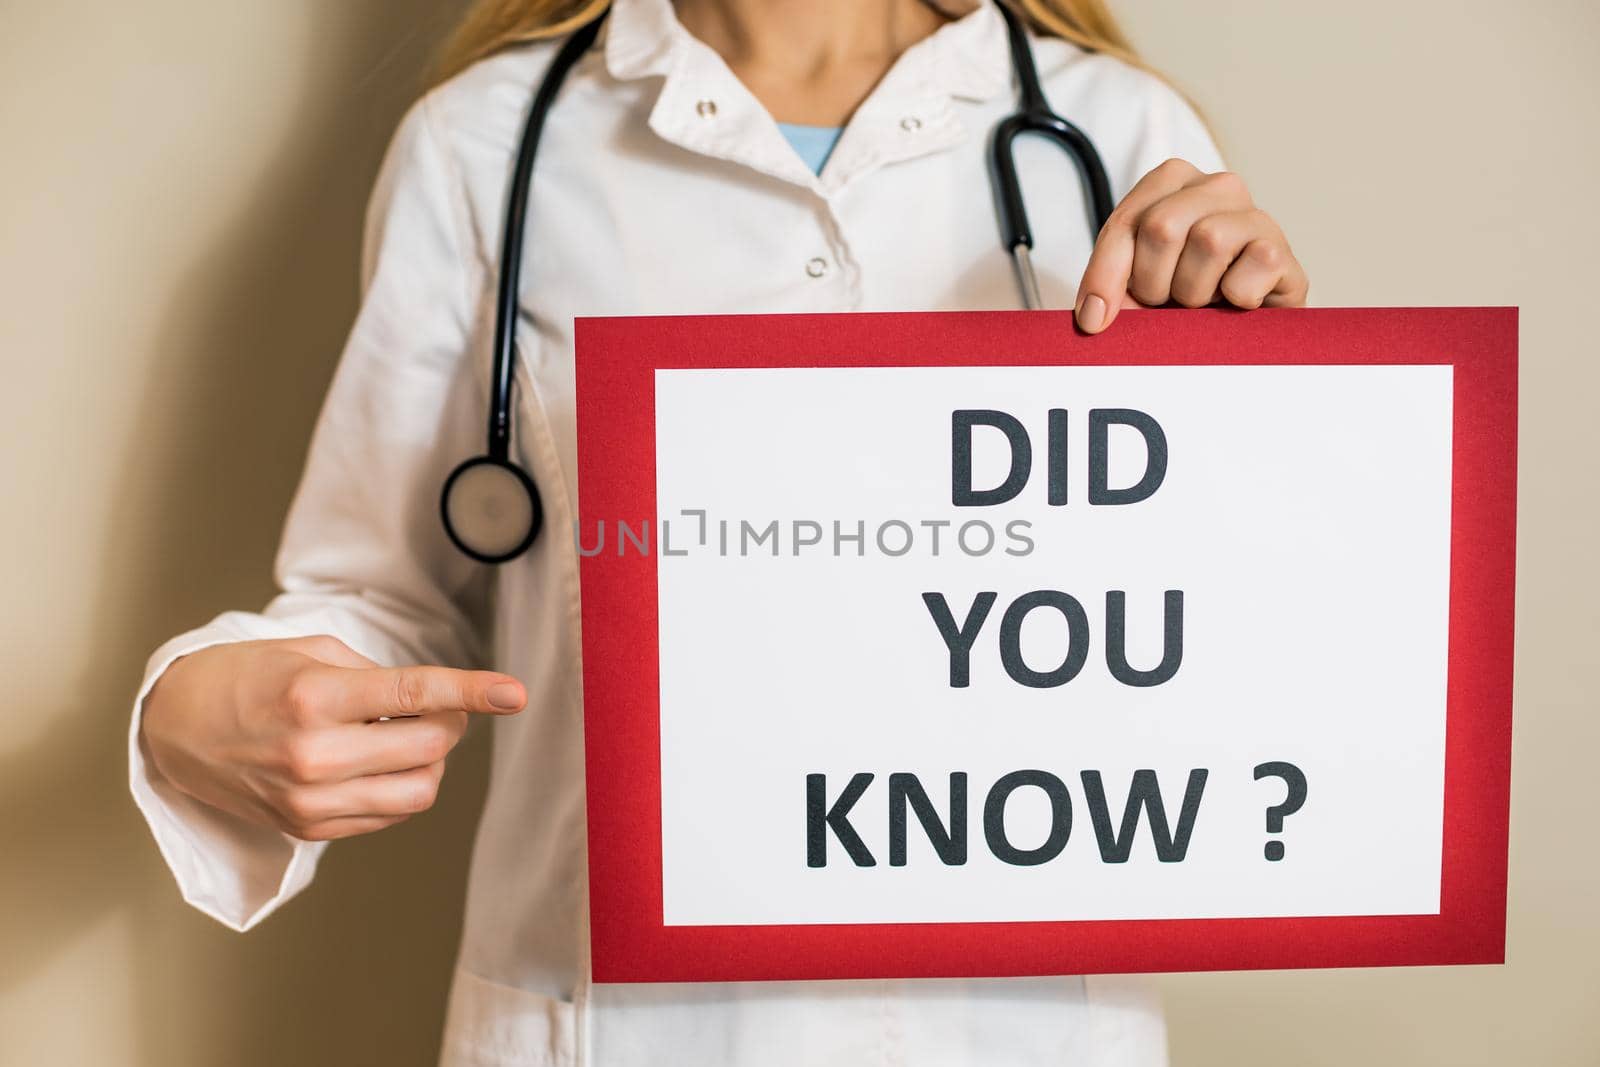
(665, 184)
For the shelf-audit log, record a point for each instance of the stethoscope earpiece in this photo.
(491, 509)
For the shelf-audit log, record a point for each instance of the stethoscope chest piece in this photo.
(491, 509)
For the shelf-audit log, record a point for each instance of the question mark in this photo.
(1295, 779)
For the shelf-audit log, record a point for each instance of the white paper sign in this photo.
(1303, 515)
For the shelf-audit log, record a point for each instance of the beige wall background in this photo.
(181, 189)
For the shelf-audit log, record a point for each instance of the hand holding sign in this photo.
(1191, 238)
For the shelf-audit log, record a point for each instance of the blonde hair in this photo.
(491, 25)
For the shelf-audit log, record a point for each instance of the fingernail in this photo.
(505, 695)
(1092, 315)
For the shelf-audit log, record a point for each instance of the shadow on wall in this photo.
(357, 971)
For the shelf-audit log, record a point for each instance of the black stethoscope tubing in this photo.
(1034, 116)
(504, 353)
(506, 479)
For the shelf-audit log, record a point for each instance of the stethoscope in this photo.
(490, 505)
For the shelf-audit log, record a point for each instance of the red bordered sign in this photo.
(620, 363)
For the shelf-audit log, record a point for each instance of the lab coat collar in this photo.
(641, 38)
(703, 107)
(967, 57)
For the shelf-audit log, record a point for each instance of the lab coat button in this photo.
(910, 123)
(816, 266)
(705, 108)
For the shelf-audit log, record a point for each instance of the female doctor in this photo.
(692, 164)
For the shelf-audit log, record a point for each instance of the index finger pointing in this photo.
(391, 692)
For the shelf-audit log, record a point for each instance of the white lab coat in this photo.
(662, 187)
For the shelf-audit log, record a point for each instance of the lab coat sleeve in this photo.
(363, 554)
